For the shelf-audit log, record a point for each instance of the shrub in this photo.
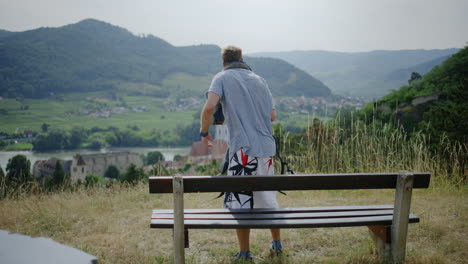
(93, 180)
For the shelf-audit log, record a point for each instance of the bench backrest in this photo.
(344, 181)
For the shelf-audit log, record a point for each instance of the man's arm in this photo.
(273, 114)
(206, 117)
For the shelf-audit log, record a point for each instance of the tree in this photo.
(45, 127)
(3, 143)
(112, 172)
(414, 77)
(2, 179)
(177, 157)
(53, 140)
(154, 157)
(77, 136)
(133, 174)
(93, 180)
(58, 177)
(18, 170)
(59, 138)
(97, 143)
(189, 133)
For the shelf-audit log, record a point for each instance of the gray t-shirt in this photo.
(247, 103)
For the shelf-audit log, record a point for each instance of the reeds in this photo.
(360, 147)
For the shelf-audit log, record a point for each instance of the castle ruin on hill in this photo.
(82, 165)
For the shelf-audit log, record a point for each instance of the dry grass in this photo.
(113, 224)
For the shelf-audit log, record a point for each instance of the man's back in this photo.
(248, 110)
(247, 105)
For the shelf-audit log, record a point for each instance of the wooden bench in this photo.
(388, 224)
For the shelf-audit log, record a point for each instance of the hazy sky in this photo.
(262, 25)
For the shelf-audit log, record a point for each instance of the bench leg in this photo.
(381, 235)
(178, 190)
(186, 238)
(401, 216)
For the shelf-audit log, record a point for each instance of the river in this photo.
(168, 153)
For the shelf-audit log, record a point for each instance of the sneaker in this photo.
(276, 248)
(242, 257)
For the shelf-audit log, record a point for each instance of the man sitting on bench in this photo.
(249, 110)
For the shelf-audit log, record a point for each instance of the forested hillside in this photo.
(369, 74)
(95, 56)
(4, 33)
(436, 103)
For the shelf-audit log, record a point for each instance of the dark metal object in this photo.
(284, 164)
(218, 116)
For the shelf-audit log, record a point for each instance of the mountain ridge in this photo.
(94, 55)
(360, 73)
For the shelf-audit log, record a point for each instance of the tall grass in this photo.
(359, 147)
(112, 222)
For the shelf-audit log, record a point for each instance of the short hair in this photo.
(231, 54)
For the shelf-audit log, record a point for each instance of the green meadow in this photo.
(65, 113)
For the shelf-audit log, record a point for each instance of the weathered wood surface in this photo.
(289, 218)
(285, 223)
(274, 216)
(178, 221)
(280, 210)
(163, 184)
(402, 206)
(381, 235)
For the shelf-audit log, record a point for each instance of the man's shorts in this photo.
(243, 164)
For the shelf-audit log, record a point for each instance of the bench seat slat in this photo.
(278, 210)
(274, 216)
(285, 223)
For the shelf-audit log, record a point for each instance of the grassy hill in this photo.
(436, 103)
(360, 73)
(94, 56)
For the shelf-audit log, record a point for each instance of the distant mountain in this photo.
(360, 73)
(402, 75)
(4, 33)
(93, 55)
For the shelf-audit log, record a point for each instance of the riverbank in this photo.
(113, 224)
(18, 147)
(168, 153)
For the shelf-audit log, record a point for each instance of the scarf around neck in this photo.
(237, 65)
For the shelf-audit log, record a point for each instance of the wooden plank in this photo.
(382, 240)
(275, 216)
(279, 210)
(400, 218)
(287, 223)
(179, 234)
(345, 181)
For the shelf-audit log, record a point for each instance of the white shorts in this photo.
(243, 164)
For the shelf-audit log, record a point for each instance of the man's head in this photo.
(231, 54)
